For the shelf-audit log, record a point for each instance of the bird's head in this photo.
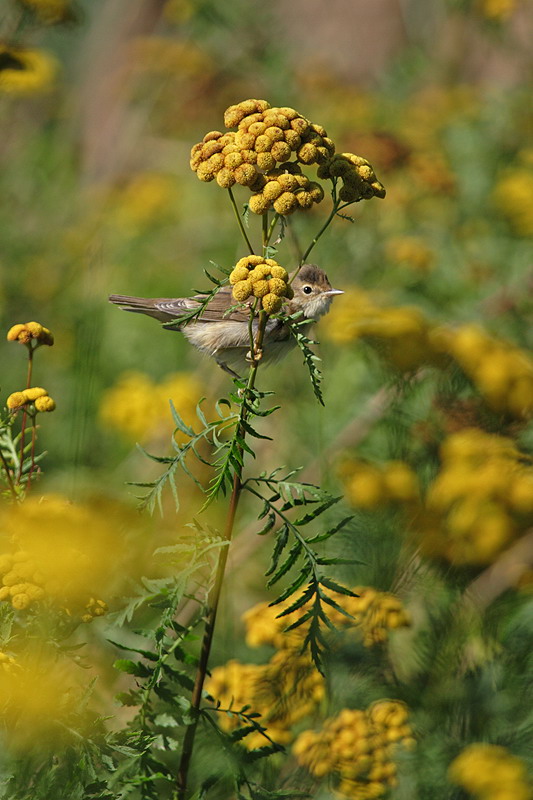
(312, 292)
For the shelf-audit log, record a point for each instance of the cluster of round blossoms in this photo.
(30, 333)
(265, 152)
(357, 747)
(359, 180)
(254, 276)
(370, 486)
(490, 772)
(372, 614)
(283, 691)
(36, 396)
(481, 499)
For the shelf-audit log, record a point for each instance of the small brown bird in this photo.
(224, 334)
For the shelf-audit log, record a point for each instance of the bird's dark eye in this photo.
(307, 289)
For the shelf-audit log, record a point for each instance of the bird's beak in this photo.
(332, 292)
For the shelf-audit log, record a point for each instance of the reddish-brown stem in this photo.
(33, 440)
(24, 413)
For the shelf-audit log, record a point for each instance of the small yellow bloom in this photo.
(25, 332)
(45, 404)
(15, 401)
(271, 303)
(25, 71)
(242, 290)
(33, 393)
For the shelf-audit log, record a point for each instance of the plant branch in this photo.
(239, 221)
(214, 596)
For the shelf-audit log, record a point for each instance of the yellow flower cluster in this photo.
(86, 548)
(359, 180)
(40, 698)
(285, 189)
(49, 11)
(498, 10)
(372, 614)
(28, 332)
(254, 276)
(411, 252)
(490, 772)
(480, 500)
(357, 747)
(502, 372)
(144, 199)
(24, 71)
(370, 486)
(512, 197)
(137, 407)
(283, 691)
(273, 134)
(36, 395)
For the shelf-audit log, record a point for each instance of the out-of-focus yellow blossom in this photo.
(138, 408)
(284, 691)
(24, 71)
(7, 662)
(168, 56)
(498, 10)
(513, 197)
(490, 772)
(27, 332)
(143, 200)
(401, 334)
(410, 251)
(49, 11)
(502, 372)
(65, 552)
(371, 485)
(372, 614)
(40, 702)
(356, 748)
(480, 500)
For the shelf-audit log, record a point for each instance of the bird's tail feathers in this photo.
(139, 305)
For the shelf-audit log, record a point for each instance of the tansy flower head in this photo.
(45, 404)
(24, 71)
(359, 181)
(263, 278)
(30, 331)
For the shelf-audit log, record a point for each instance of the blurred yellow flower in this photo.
(490, 772)
(65, 551)
(410, 251)
(25, 332)
(25, 71)
(513, 197)
(40, 701)
(356, 748)
(138, 408)
(49, 11)
(143, 200)
(496, 9)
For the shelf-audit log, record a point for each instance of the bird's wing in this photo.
(217, 310)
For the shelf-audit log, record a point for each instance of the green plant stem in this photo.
(320, 232)
(33, 440)
(265, 229)
(239, 221)
(214, 596)
(9, 479)
(25, 413)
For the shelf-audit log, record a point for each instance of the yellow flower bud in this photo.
(278, 272)
(259, 272)
(305, 199)
(300, 125)
(225, 178)
(45, 404)
(262, 144)
(261, 288)
(14, 333)
(271, 303)
(259, 204)
(233, 160)
(245, 174)
(35, 328)
(242, 290)
(280, 151)
(288, 182)
(205, 172)
(286, 203)
(239, 273)
(307, 153)
(272, 191)
(293, 139)
(15, 401)
(316, 191)
(277, 287)
(34, 393)
(20, 601)
(266, 161)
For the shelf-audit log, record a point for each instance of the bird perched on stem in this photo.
(222, 329)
